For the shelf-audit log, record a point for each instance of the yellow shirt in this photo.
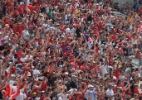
(130, 19)
(77, 12)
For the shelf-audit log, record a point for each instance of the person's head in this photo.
(90, 87)
(110, 86)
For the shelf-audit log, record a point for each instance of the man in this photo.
(110, 93)
(90, 94)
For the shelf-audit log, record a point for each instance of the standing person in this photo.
(91, 93)
(1, 41)
(110, 93)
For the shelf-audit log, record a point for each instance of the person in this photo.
(91, 53)
(91, 93)
(110, 93)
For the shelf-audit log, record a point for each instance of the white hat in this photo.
(79, 71)
(90, 86)
(12, 75)
(73, 76)
(6, 25)
(40, 14)
(68, 30)
(21, 3)
(62, 36)
(114, 78)
(29, 74)
(66, 73)
(32, 67)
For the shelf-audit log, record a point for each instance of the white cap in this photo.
(114, 78)
(29, 74)
(6, 25)
(74, 76)
(66, 73)
(12, 75)
(68, 30)
(32, 67)
(90, 86)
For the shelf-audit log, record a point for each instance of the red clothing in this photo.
(136, 91)
(13, 70)
(31, 8)
(96, 49)
(101, 26)
(20, 10)
(82, 68)
(140, 11)
(117, 73)
(56, 2)
(80, 96)
(44, 86)
(95, 26)
(15, 13)
(18, 28)
(39, 2)
(138, 55)
(114, 37)
(37, 8)
(7, 21)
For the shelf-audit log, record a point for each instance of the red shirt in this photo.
(7, 21)
(44, 86)
(140, 11)
(136, 91)
(31, 8)
(82, 68)
(56, 2)
(13, 70)
(37, 8)
(101, 26)
(114, 37)
(117, 73)
(18, 28)
(138, 55)
(20, 10)
(39, 2)
(96, 49)
(95, 26)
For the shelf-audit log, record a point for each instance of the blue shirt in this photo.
(92, 94)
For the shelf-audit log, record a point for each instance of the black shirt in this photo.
(126, 51)
(78, 33)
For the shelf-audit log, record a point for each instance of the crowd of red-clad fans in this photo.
(70, 50)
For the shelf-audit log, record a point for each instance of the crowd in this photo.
(69, 50)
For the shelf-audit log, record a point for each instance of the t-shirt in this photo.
(31, 8)
(91, 94)
(110, 92)
(20, 10)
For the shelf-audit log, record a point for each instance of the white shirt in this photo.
(62, 96)
(92, 94)
(27, 2)
(6, 39)
(103, 70)
(71, 90)
(24, 59)
(21, 96)
(11, 82)
(109, 92)
(26, 34)
(36, 72)
(76, 5)
(11, 56)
